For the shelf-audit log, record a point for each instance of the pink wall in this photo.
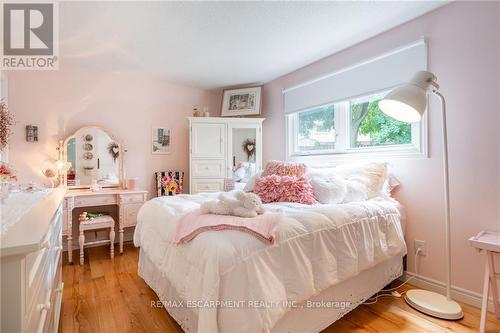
(464, 53)
(127, 104)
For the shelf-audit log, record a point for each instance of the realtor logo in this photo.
(29, 36)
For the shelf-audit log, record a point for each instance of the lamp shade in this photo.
(408, 102)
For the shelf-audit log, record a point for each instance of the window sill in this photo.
(359, 154)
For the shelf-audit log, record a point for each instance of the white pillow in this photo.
(250, 171)
(331, 190)
(239, 174)
(355, 191)
(251, 182)
(372, 174)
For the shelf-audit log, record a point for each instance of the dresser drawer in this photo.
(37, 268)
(95, 200)
(130, 214)
(207, 185)
(131, 198)
(42, 264)
(39, 312)
(52, 322)
(208, 168)
(45, 307)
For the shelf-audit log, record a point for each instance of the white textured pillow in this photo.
(372, 175)
(355, 191)
(239, 174)
(251, 182)
(331, 190)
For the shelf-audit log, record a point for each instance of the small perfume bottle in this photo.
(205, 112)
(95, 187)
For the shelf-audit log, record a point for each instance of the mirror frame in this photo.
(120, 158)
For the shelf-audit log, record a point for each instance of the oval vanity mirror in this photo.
(94, 156)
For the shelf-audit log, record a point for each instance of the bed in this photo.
(326, 260)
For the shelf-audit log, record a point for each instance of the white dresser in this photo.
(215, 147)
(30, 257)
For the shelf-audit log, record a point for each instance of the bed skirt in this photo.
(312, 315)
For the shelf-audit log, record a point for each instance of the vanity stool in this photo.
(100, 222)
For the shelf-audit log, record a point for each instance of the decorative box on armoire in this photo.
(218, 146)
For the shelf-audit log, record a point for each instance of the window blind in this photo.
(374, 75)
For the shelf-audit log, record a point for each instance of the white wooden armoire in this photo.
(215, 146)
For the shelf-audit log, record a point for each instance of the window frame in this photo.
(294, 125)
(418, 148)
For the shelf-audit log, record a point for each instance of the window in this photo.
(316, 129)
(355, 126)
(337, 114)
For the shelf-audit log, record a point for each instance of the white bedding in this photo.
(316, 247)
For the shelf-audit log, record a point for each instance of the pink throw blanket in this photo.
(263, 227)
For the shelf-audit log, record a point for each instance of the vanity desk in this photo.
(93, 159)
(128, 201)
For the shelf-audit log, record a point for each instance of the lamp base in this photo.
(433, 304)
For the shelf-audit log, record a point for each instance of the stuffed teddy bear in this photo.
(251, 205)
(243, 205)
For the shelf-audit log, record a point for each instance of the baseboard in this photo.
(457, 293)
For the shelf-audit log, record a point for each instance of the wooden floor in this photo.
(108, 296)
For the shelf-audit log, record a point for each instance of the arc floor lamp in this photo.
(408, 103)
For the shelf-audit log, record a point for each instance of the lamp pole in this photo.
(447, 210)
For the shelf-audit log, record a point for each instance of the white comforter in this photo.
(316, 247)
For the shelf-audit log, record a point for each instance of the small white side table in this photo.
(490, 243)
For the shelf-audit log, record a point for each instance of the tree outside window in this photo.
(371, 127)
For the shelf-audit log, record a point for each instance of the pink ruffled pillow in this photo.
(284, 169)
(274, 188)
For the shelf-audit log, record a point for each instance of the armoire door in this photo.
(208, 140)
(244, 145)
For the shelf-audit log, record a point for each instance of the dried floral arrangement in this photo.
(6, 122)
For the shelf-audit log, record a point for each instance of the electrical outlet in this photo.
(422, 245)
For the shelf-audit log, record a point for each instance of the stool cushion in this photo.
(99, 222)
(99, 219)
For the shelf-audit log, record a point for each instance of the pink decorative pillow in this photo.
(284, 169)
(274, 188)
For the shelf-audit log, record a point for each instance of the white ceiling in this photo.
(216, 44)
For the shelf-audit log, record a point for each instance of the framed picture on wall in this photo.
(241, 102)
(161, 140)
